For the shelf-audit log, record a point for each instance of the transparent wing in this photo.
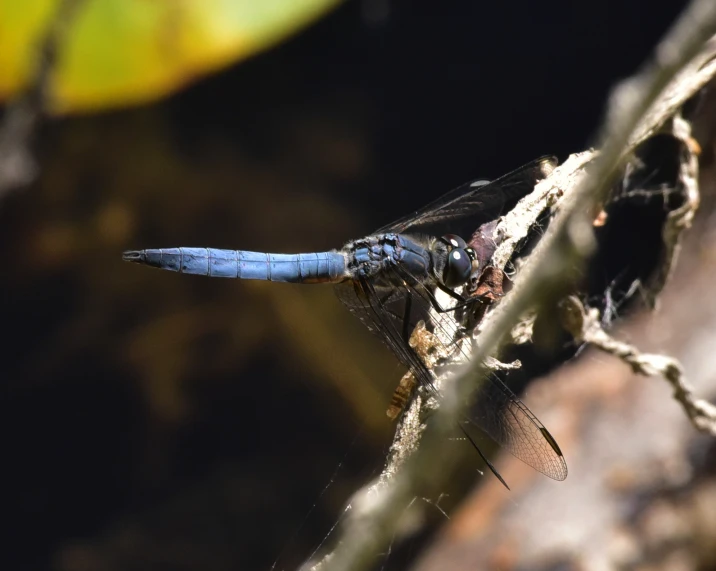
(382, 310)
(496, 410)
(507, 420)
(474, 203)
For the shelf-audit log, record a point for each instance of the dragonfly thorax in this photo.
(389, 258)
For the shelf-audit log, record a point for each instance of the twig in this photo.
(680, 219)
(23, 115)
(377, 510)
(584, 325)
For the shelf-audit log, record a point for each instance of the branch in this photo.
(638, 469)
(679, 220)
(638, 108)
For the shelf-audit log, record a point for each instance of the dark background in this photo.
(158, 421)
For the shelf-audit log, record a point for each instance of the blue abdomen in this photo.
(297, 268)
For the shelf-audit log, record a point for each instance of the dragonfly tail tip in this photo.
(136, 256)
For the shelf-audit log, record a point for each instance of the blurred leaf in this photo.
(121, 52)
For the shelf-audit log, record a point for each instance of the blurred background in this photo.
(159, 421)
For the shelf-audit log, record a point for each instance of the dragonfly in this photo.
(424, 264)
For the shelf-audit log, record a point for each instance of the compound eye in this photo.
(458, 268)
(454, 240)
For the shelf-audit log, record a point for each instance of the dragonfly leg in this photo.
(406, 317)
(431, 296)
(450, 292)
(462, 302)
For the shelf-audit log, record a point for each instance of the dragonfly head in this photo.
(458, 260)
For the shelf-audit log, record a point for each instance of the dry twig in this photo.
(584, 325)
(679, 220)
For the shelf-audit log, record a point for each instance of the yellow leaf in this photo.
(122, 52)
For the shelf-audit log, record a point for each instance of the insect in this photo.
(392, 281)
